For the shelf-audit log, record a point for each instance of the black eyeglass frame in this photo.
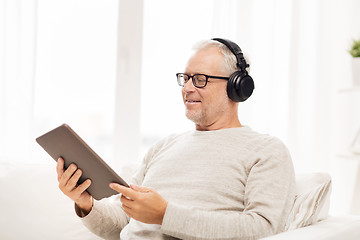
(193, 79)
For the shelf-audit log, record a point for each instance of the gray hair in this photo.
(229, 60)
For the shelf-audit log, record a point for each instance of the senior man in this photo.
(221, 181)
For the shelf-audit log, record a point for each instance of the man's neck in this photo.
(218, 125)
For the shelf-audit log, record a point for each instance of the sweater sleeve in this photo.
(269, 195)
(107, 218)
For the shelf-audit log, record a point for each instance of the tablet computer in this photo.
(64, 142)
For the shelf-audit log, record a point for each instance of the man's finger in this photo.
(139, 188)
(128, 192)
(126, 201)
(67, 174)
(127, 210)
(82, 187)
(60, 168)
(74, 179)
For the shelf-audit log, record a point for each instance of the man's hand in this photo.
(142, 203)
(67, 184)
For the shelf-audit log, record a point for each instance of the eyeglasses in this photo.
(199, 80)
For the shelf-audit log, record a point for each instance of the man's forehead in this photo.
(208, 59)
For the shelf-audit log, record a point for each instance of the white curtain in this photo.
(299, 62)
(17, 73)
(297, 53)
(58, 65)
(270, 33)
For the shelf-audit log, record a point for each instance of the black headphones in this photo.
(240, 85)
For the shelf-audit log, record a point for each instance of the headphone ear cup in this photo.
(246, 87)
(240, 86)
(231, 87)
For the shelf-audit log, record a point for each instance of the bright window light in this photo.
(162, 110)
(76, 70)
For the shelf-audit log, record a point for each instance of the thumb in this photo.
(139, 188)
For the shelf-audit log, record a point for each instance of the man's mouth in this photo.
(192, 101)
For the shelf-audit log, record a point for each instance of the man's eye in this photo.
(186, 78)
(200, 79)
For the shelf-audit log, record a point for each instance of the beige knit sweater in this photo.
(224, 184)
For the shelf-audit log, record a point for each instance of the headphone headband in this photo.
(236, 50)
(240, 85)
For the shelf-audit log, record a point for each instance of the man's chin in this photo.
(195, 117)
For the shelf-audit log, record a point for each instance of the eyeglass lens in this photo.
(199, 80)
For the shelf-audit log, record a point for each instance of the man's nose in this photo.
(189, 86)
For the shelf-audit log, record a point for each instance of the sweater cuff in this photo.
(93, 214)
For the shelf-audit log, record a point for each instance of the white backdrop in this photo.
(59, 64)
(299, 61)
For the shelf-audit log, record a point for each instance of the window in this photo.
(76, 71)
(170, 30)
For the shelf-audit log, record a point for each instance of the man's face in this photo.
(208, 105)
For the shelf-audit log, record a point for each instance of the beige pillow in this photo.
(312, 200)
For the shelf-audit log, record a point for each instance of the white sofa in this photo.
(32, 207)
(331, 228)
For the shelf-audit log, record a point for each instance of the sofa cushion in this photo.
(332, 228)
(33, 207)
(312, 200)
